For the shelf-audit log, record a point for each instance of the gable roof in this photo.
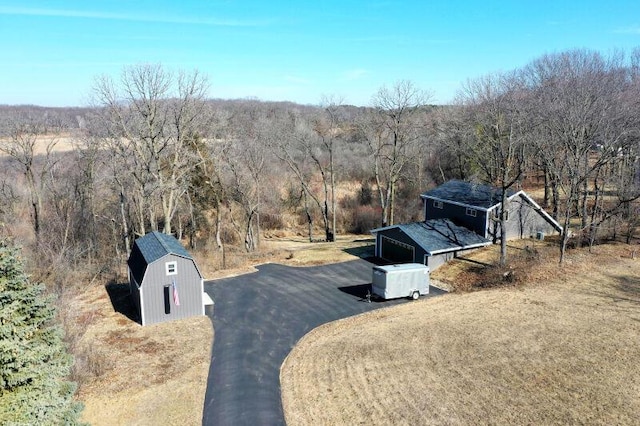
(439, 236)
(151, 247)
(546, 216)
(155, 245)
(467, 193)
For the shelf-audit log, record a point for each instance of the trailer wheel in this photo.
(415, 295)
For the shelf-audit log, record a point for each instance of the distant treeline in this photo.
(156, 151)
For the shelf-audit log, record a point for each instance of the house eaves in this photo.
(467, 194)
(484, 209)
(437, 236)
(467, 247)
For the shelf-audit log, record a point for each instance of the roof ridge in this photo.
(158, 235)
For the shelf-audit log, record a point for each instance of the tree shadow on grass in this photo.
(622, 293)
(629, 285)
(476, 262)
(363, 252)
(627, 289)
(121, 300)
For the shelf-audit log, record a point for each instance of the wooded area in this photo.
(157, 152)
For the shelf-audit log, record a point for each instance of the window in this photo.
(471, 212)
(172, 268)
(437, 204)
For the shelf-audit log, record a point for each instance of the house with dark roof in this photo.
(164, 280)
(461, 216)
(477, 207)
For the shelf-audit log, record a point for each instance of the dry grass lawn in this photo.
(135, 375)
(561, 349)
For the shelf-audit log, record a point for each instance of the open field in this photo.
(61, 143)
(561, 349)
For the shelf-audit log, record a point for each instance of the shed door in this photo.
(396, 251)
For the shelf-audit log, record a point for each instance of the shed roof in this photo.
(155, 245)
(440, 235)
(467, 193)
(151, 247)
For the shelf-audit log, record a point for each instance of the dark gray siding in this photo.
(458, 214)
(398, 235)
(188, 281)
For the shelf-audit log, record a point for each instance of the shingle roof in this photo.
(471, 194)
(156, 244)
(440, 235)
(151, 247)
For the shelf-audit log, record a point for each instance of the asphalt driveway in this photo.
(259, 317)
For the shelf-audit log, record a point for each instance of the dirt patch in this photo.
(557, 350)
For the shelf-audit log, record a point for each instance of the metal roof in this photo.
(467, 193)
(151, 247)
(440, 235)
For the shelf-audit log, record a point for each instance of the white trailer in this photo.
(405, 280)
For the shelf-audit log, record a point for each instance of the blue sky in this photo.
(293, 50)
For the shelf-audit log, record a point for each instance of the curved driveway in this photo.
(259, 317)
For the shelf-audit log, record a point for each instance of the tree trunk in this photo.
(392, 202)
(308, 213)
(503, 229)
(585, 194)
(555, 193)
(545, 201)
(125, 228)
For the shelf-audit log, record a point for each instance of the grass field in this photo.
(561, 349)
(135, 375)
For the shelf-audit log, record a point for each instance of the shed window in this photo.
(472, 212)
(437, 204)
(172, 268)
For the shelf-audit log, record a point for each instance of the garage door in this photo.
(396, 251)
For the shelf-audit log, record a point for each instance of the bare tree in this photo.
(150, 116)
(328, 127)
(391, 130)
(575, 95)
(452, 134)
(31, 150)
(494, 107)
(206, 185)
(295, 143)
(245, 163)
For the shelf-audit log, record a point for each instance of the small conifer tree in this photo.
(34, 363)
